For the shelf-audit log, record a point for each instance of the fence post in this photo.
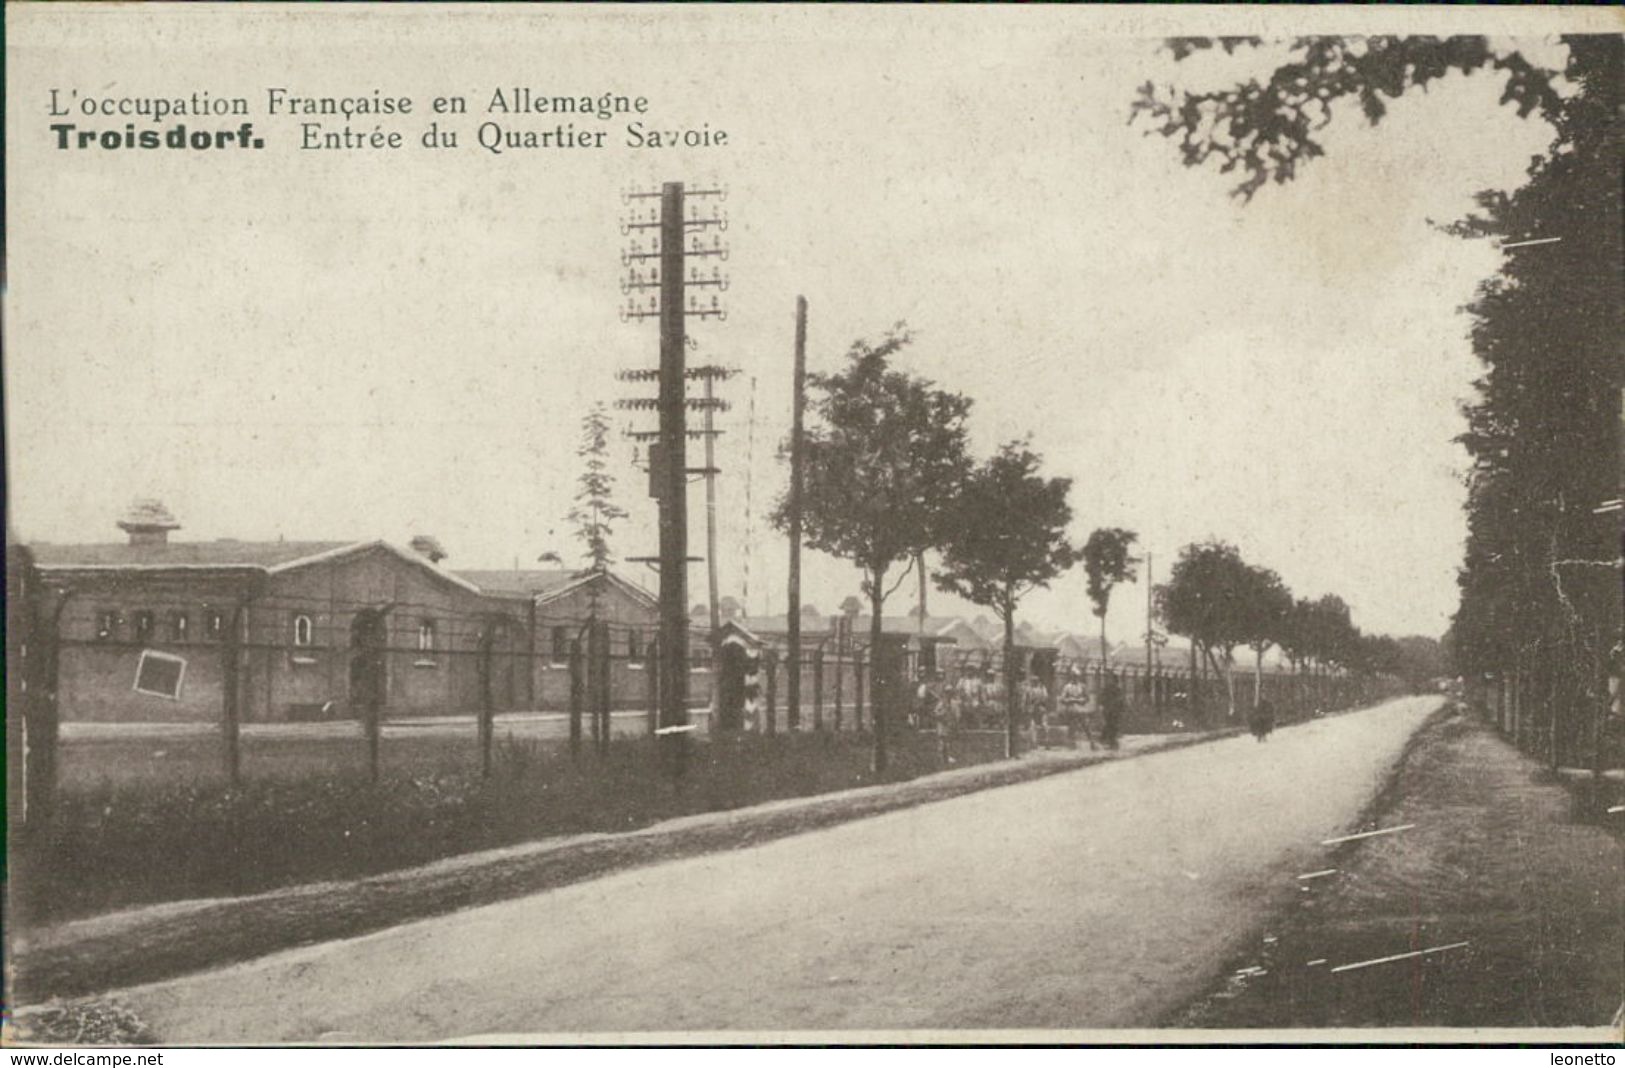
(818, 688)
(40, 707)
(231, 695)
(598, 681)
(652, 667)
(857, 691)
(487, 702)
(770, 662)
(578, 694)
(840, 665)
(20, 645)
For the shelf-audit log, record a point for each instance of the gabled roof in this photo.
(550, 584)
(225, 552)
(1090, 644)
(733, 630)
(513, 581)
(272, 557)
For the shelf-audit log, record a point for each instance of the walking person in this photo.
(1262, 720)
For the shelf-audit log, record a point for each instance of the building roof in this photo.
(546, 585)
(268, 556)
(224, 552)
(1173, 654)
(528, 582)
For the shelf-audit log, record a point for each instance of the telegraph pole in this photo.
(676, 239)
(711, 508)
(798, 404)
(671, 472)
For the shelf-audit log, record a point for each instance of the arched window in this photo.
(179, 625)
(634, 647)
(304, 631)
(426, 636)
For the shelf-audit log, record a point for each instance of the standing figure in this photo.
(1111, 711)
(970, 699)
(925, 702)
(1075, 707)
(1035, 707)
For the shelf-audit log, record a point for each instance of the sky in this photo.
(366, 344)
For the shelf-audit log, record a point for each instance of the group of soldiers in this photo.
(977, 701)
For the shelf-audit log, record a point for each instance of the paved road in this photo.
(1096, 898)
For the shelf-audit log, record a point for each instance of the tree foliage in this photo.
(1540, 601)
(1108, 561)
(1006, 534)
(1265, 610)
(1004, 537)
(883, 454)
(595, 511)
(1202, 599)
(1266, 129)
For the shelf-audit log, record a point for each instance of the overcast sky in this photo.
(372, 344)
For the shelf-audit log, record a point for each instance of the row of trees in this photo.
(1540, 612)
(889, 480)
(1222, 604)
(1540, 593)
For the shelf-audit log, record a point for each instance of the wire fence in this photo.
(191, 684)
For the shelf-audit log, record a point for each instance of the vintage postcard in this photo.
(812, 524)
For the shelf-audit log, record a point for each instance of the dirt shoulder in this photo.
(1518, 900)
(145, 945)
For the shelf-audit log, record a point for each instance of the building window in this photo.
(143, 626)
(304, 631)
(214, 624)
(634, 646)
(107, 624)
(426, 636)
(561, 643)
(180, 625)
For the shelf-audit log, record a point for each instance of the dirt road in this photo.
(1097, 898)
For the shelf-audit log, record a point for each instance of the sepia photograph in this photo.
(781, 525)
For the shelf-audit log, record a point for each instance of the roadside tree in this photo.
(1005, 537)
(883, 451)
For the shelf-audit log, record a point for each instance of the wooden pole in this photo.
(711, 513)
(673, 483)
(798, 403)
(578, 693)
(487, 725)
(231, 695)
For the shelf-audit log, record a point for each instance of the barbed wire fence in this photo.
(332, 674)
